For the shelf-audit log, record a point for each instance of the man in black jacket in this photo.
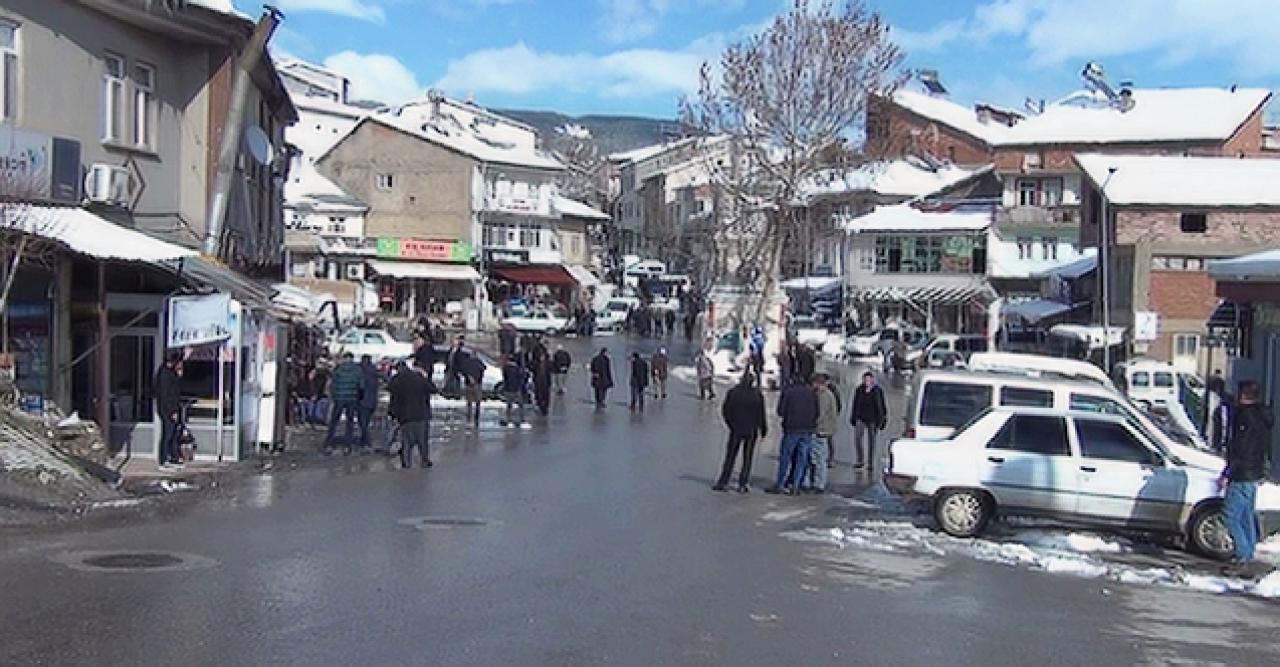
(368, 399)
(601, 376)
(169, 406)
(1247, 452)
(798, 408)
(561, 362)
(743, 412)
(869, 416)
(411, 391)
(639, 381)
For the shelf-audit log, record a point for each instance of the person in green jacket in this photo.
(345, 389)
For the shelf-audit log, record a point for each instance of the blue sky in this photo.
(639, 56)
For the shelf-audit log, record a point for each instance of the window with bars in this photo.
(113, 98)
(8, 70)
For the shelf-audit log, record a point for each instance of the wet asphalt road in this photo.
(602, 544)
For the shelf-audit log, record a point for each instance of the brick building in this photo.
(1166, 219)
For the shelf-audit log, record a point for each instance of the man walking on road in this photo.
(828, 422)
(1247, 465)
(541, 369)
(706, 375)
(347, 383)
(514, 379)
(868, 417)
(639, 381)
(561, 362)
(798, 408)
(410, 406)
(601, 376)
(368, 399)
(661, 366)
(743, 413)
(169, 406)
(473, 386)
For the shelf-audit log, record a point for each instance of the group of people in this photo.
(655, 372)
(810, 409)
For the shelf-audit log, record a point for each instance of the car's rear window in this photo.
(1164, 379)
(1024, 397)
(952, 404)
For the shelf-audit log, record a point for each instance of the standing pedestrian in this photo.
(514, 378)
(805, 362)
(424, 353)
(706, 370)
(828, 423)
(1247, 453)
(798, 408)
(601, 376)
(473, 369)
(507, 340)
(410, 406)
(168, 392)
(670, 318)
(868, 416)
(561, 362)
(639, 381)
(453, 366)
(320, 377)
(368, 399)
(345, 388)
(743, 413)
(785, 365)
(661, 365)
(542, 383)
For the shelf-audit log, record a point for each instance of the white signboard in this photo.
(24, 163)
(1146, 325)
(199, 320)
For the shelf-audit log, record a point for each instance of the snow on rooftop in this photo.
(309, 187)
(907, 178)
(577, 209)
(472, 131)
(908, 218)
(645, 152)
(1185, 181)
(221, 6)
(1085, 117)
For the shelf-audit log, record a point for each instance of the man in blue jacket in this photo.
(345, 388)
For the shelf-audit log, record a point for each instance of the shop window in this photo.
(1195, 223)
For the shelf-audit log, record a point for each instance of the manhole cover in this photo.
(133, 561)
(424, 522)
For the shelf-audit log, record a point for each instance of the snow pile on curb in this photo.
(1072, 553)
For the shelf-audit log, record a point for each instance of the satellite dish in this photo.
(259, 145)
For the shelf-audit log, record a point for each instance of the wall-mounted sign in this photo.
(424, 249)
(38, 167)
(497, 256)
(1146, 325)
(199, 320)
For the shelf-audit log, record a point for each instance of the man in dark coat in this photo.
(743, 412)
(453, 362)
(169, 406)
(798, 408)
(541, 369)
(410, 406)
(561, 362)
(805, 363)
(1247, 452)
(869, 416)
(345, 388)
(601, 376)
(514, 379)
(368, 398)
(639, 381)
(507, 339)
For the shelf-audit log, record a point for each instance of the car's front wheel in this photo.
(1207, 533)
(963, 512)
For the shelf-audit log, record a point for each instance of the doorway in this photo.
(132, 367)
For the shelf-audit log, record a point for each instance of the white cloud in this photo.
(356, 9)
(1172, 32)
(630, 20)
(520, 70)
(376, 76)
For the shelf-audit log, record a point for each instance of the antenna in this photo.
(259, 145)
(929, 79)
(1096, 80)
(1033, 105)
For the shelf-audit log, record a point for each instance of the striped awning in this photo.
(935, 294)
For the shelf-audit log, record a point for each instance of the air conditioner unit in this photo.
(355, 272)
(107, 184)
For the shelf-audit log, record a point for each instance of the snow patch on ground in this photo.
(1072, 553)
(786, 515)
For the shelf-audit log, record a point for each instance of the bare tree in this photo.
(787, 100)
(586, 174)
(24, 231)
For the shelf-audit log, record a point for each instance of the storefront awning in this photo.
(935, 294)
(582, 275)
(89, 234)
(424, 270)
(552, 274)
(1032, 311)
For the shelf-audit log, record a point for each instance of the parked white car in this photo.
(538, 321)
(376, 343)
(613, 315)
(875, 343)
(1082, 467)
(808, 331)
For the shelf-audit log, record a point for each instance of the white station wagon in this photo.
(1082, 467)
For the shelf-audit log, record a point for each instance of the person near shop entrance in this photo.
(601, 376)
(661, 365)
(368, 399)
(168, 392)
(639, 381)
(410, 406)
(561, 362)
(743, 413)
(345, 388)
(868, 416)
(1247, 465)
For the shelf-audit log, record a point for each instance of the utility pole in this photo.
(1104, 273)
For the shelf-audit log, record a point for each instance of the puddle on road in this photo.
(136, 562)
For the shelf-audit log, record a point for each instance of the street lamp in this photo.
(1104, 273)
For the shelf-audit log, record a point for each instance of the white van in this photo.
(1154, 382)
